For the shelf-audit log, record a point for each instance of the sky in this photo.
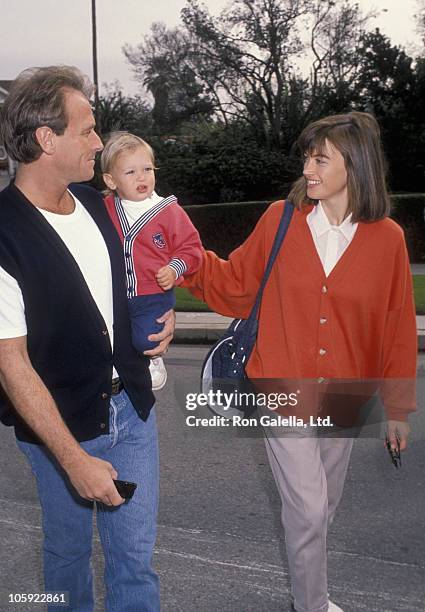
(45, 32)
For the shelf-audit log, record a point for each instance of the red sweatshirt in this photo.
(163, 235)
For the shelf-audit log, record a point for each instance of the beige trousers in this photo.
(309, 473)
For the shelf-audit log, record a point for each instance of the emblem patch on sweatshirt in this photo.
(159, 240)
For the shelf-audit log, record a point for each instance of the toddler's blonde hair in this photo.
(117, 143)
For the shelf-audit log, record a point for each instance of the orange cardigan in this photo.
(357, 323)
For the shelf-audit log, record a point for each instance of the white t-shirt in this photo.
(330, 240)
(85, 242)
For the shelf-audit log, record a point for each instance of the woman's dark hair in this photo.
(357, 137)
(37, 98)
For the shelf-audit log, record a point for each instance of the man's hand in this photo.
(92, 478)
(166, 277)
(398, 430)
(165, 336)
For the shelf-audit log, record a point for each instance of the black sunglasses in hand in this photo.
(394, 453)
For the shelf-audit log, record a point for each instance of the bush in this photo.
(408, 210)
(223, 227)
(218, 164)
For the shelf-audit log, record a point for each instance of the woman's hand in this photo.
(398, 432)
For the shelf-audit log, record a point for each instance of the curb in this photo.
(207, 328)
(420, 326)
(200, 327)
(197, 336)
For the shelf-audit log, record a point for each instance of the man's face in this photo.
(76, 149)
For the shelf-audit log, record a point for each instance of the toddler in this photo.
(159, 241)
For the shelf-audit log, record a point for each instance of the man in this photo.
(76, 391)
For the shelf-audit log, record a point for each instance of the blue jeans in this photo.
(127, 532)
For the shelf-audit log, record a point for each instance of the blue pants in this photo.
(144, 312)
(127, 532)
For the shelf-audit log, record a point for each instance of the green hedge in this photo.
(225, 226)
(419, 289)
(408, 210)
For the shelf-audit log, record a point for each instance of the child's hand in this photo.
(166, 277)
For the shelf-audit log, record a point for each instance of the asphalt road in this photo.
(220, 544)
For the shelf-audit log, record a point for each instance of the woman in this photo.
(338, 305)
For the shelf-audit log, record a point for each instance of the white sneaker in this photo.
(158, 373)
(331, 607)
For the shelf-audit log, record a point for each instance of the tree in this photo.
(244, 63)
(160, 63)
(336, 33)
(244, 72)
(220, 164)
(118, 112)
(392, 86)
(420, 20)
(385, 72)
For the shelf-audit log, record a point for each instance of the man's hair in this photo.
(357, 137)
(36, 99)
(119, 142)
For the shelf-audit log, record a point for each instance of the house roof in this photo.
(5, 85)
(4, 90)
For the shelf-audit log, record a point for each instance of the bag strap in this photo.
(277, 243)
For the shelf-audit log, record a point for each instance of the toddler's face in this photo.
(132, 175)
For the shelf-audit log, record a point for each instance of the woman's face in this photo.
(326, 176)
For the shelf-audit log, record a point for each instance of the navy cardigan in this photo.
(68, 342)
